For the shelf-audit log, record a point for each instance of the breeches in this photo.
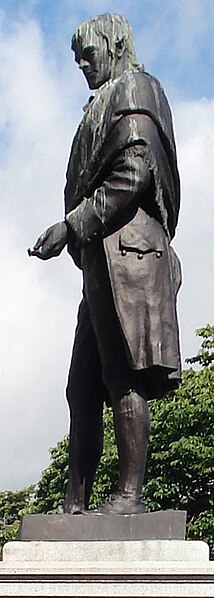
(99, 368)
(98, 372)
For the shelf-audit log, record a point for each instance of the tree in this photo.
(205, 355)
(179, 467)
(51, 488)
(12, 505)
(180, 472)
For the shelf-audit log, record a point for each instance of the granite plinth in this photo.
(156, 568)
(108, 554)
(160, 525)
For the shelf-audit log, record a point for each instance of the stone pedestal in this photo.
(160, 525)
(104, 555)
(150, 568)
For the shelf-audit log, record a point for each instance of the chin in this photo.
(93, 84)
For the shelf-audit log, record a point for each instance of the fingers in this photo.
(40, 241)
(43, 255)
(41, 249)
(45, 251)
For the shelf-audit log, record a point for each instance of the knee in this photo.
(134, 408)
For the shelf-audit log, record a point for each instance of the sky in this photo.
(41, 97)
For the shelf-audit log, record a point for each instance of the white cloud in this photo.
(38, 301)
(194, 241)
(38, 313)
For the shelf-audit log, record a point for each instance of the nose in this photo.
(83, 63)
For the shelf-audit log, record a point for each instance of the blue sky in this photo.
(179, 32)
(41, 97)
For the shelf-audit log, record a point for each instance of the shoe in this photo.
(121, 504)
(75, 510)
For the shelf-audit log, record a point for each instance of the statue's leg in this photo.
(85, 449)
(132, 428)
(85, 392)
(131, 414)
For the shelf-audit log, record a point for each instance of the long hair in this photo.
(114, 29)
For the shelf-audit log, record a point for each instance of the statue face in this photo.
(93, 59)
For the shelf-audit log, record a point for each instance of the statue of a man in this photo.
(121, 210)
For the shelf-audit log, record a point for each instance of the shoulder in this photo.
(138, 92)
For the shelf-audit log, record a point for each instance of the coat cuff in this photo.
(84, 223)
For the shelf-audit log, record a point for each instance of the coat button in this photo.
(140, 256)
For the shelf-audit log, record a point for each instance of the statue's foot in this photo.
(121, 504)
(74, 509)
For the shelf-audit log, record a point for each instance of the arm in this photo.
(98, 215)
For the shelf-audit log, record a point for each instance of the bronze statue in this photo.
(121, 210)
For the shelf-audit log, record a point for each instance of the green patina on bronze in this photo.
(113, 28)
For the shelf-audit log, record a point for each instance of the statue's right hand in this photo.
(51, 242)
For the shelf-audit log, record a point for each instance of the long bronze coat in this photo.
(122, 192)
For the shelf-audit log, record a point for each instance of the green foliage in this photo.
(205, 355)
(107, 471)
(179, 466)
(201, 527)
(50, 491)
(12, 506)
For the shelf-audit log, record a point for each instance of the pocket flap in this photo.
(143, 234)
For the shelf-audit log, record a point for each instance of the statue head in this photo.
(104, 48)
